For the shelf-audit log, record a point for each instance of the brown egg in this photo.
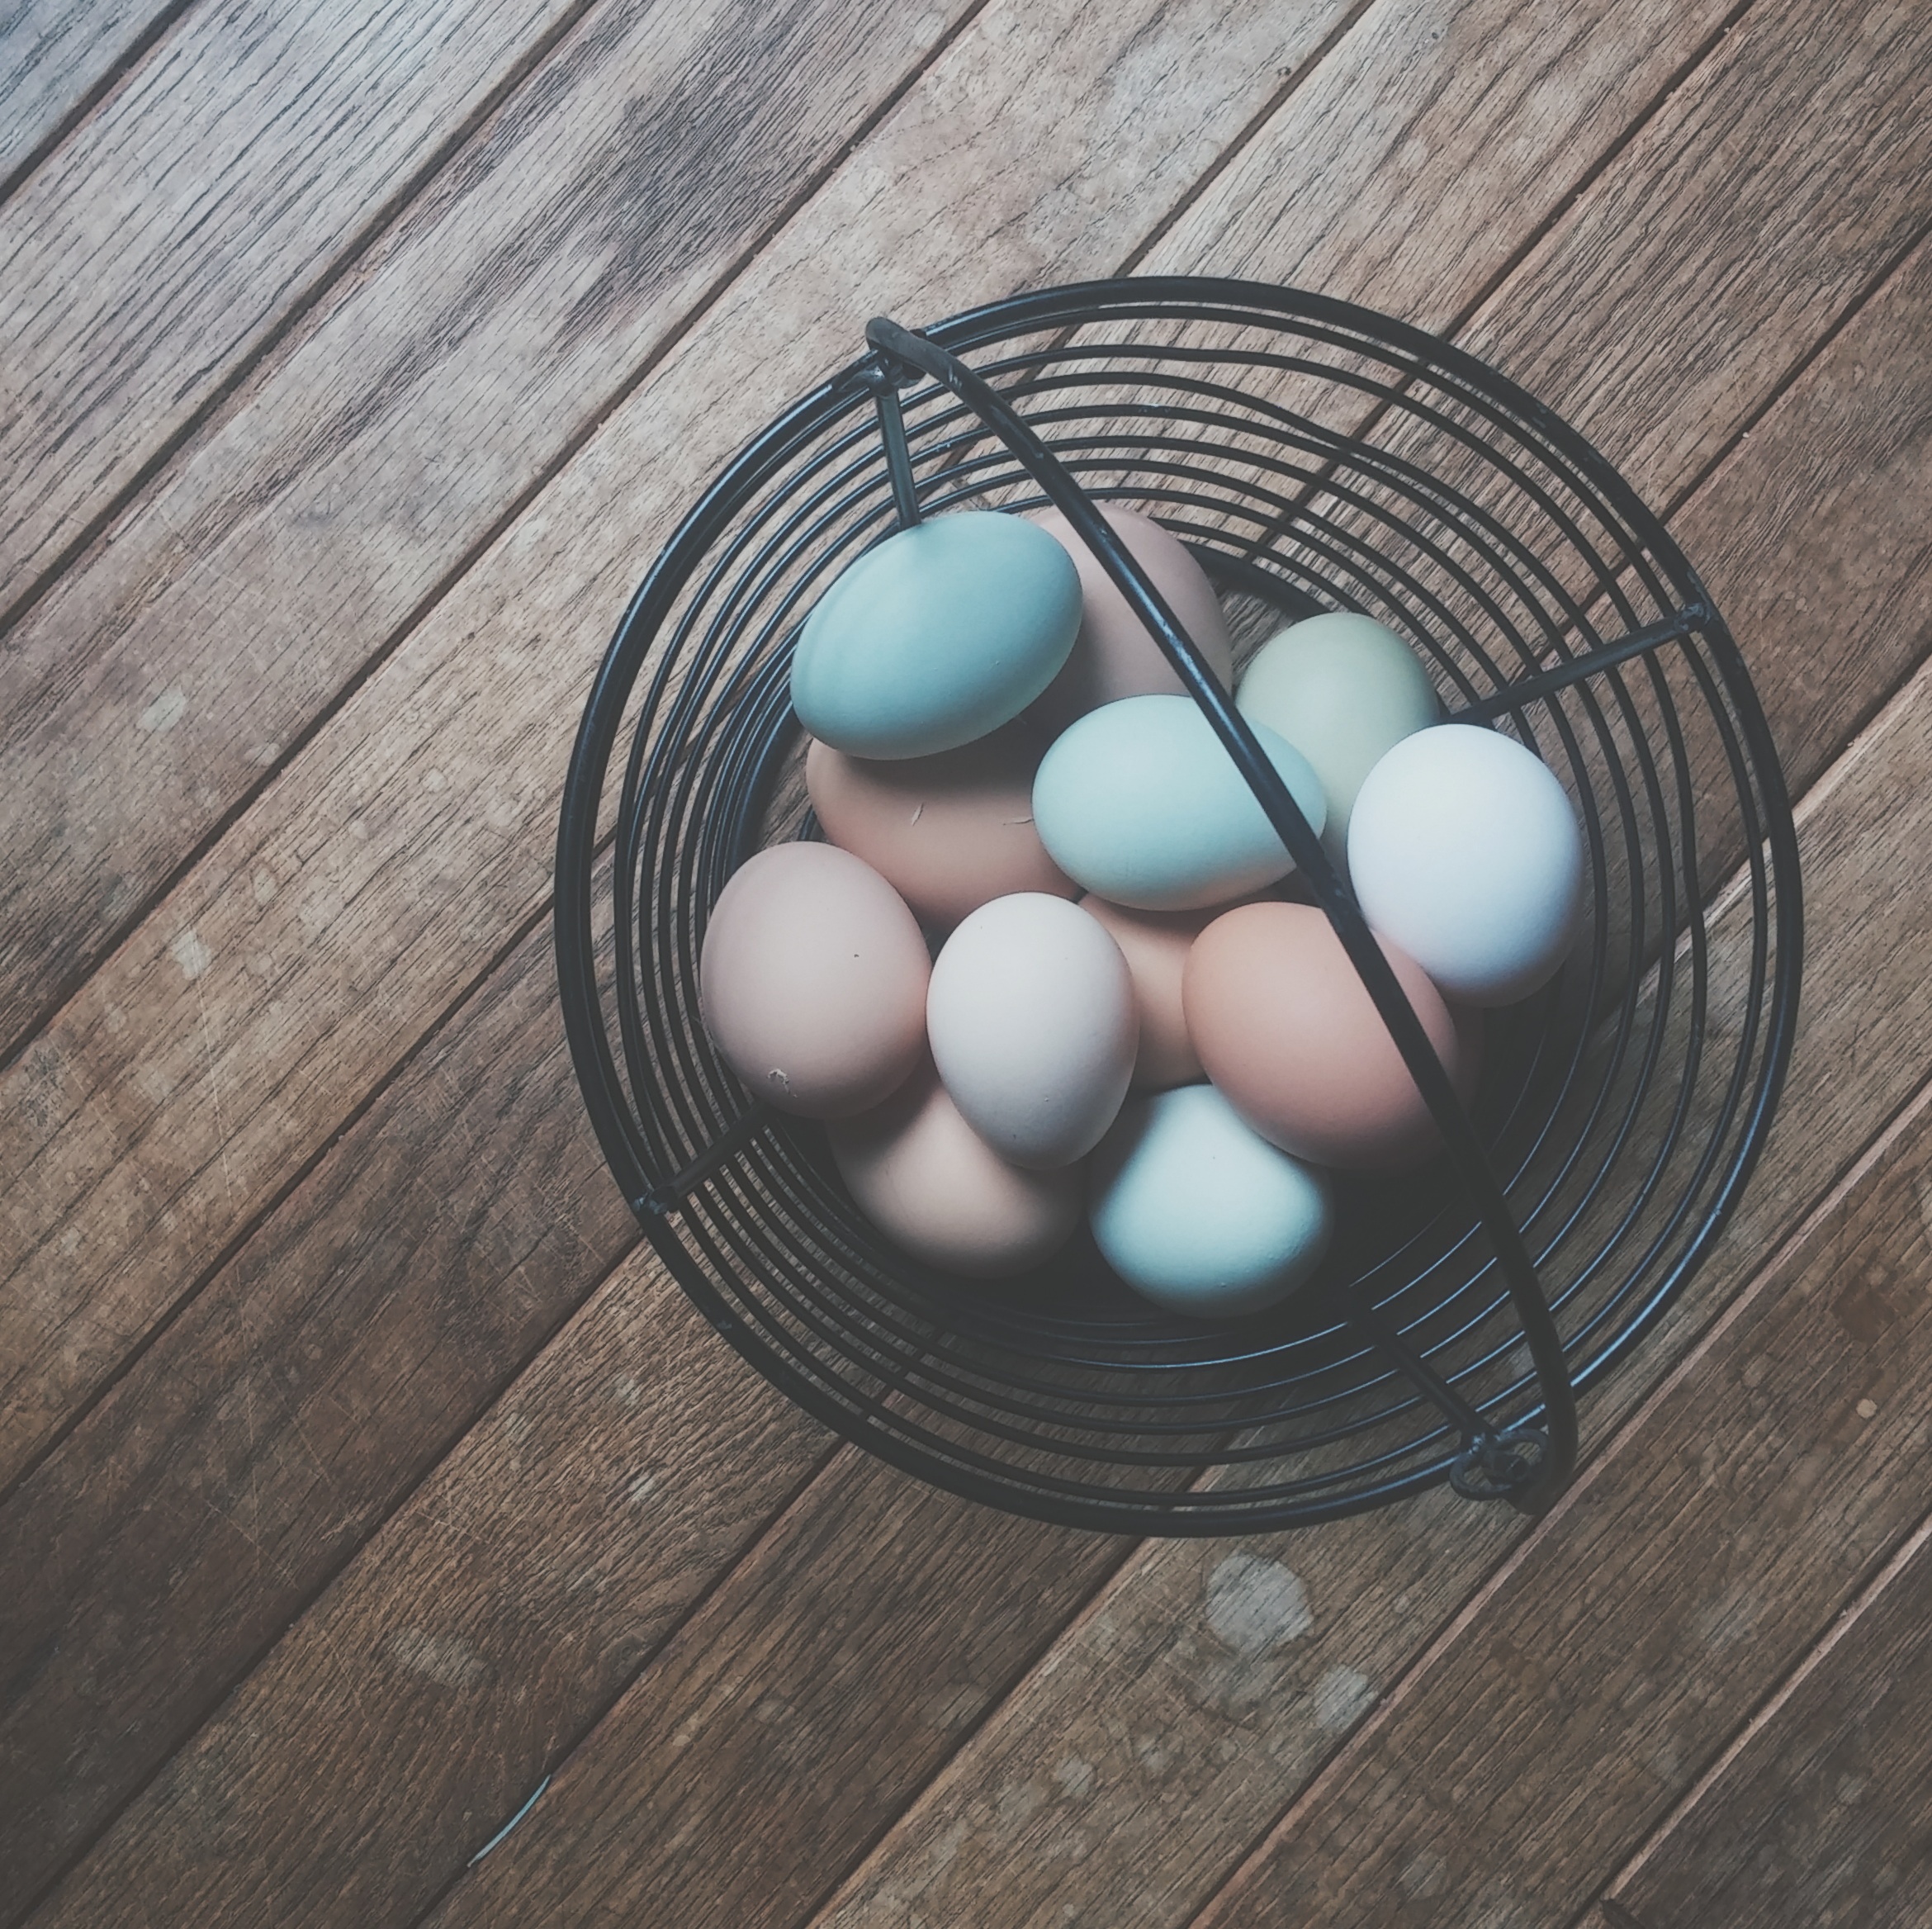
(812, 980)
(1113, 655)
(949, 832)
(1286, 1030)
(932, 1185)
(1155, 945)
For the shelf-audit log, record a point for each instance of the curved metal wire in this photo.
(1315, 455)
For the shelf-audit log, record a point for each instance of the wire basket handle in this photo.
(1523, 1463)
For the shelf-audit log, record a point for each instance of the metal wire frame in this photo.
(1621, 1112)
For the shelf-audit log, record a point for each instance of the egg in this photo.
(949, 832)
(1199, 1214)
(1343, 690)
(1031, 1018)
(1464, 849)
(1155, 945)
(1138, 802)
(934, 1187)
(941, 633)
(1115, 654)
(1288, 1033)
(813, 979)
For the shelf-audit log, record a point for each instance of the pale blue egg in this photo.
(1198, 1212)
(1139, 802)
(941, 634)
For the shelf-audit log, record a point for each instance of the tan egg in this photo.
(949, 832)
(1113, 655)
(933, 1185)
(812, 980)
(1155, 945)
(1289, 1034)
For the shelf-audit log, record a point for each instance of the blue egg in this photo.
(1199, 1213)
(1139, 802)
(941, 634)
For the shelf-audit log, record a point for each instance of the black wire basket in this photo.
(1313, 455)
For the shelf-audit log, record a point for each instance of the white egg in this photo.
(1032, 1021)
(1199, 1213)
(1465, 852)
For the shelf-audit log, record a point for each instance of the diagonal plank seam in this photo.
(1701, 1345)
(764, 1530)
(1730, 888)
(595, 414)
(252, 358)
(1879, 1575)
(136, 51)
(1676, 81)
(255, 1222)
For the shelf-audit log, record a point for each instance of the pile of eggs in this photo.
(1044, 964)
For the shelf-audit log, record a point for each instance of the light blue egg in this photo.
(941, 634)
(1199, 1213)
(1139, 802)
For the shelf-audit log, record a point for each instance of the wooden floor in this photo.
(385, 1541)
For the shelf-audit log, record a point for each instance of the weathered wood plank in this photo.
(232, 1032)
(404, 1821)
(775, 1732)
(1243, 1695)
(110, 1550)
(256, 1444)
(55, 55)
(535, 1570)
(1695, 1562)
(1380, 1587)
(556, 253)
(1817, 1814)
(195, 209)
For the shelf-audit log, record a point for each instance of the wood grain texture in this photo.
(124, 1498)
(1818, 1813)
(424, 397)
(383, 1821)
(193, 209)
(54, 55)
(252, 1448)
(231, 1034)
(1697, 1561)
(413, 1711)
(1378, 1590)
(785, 1720)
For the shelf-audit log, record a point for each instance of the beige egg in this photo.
(934, 1186)
(1113, 655)
(1155, 945)
(949, 832)
(812, 980)
(1289, 1034)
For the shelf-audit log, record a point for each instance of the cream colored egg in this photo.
(1031, 1021)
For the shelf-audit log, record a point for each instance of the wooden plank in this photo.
(181, 1090)
(56, 57)
(268, 1430)
(1817, 1813)
(124, 1500)
(779, 1733)
(573, 1549)
(559, 252)
(652, 1853)
(1849, 436)
(382, 1822)
(194, 211)
(1695, 1562)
